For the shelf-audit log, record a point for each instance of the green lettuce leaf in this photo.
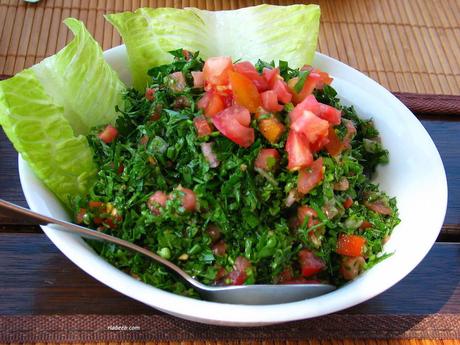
(79, 79)
(264, 32)
(46, 110)
(39, 131)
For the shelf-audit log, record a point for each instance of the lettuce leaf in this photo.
(79, 79)
(264, 32)
(46, 110)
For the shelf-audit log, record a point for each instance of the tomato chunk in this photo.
(281, 89)
(188, 199)
(108, 134)
(350, 245)
(348, 202)
(149, 94)
(198, 79)
(239, 274)
(307, 89)
(215, 70)
(202, 126)
(310, 125)
(271, 75)
(335, 146)
(247, 69)
(299, 154)
(310, 264)
(267, 159)
(233, 123)
(270, 101)
(211, 103)
(271, 129)
(310, 177)
(309, 103)
(157, 201)
(304, 212)
(330, 114)
(245, 92)
(379, 206)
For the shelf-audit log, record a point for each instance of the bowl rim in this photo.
(218, 313)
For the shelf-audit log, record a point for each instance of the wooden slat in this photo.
(289, 342)
(408, 46)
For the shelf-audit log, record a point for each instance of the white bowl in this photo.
(415, 175)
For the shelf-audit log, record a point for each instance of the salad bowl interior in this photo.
(414, 175)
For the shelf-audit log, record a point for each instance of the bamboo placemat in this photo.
(406, 45)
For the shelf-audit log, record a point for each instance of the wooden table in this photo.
(37, 280)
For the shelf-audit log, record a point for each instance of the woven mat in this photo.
(94, 328)
(407, 45)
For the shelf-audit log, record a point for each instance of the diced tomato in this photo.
(319, 144)
(214, 232)
(188, 199)
(310, 177)
(304, 212)
(326, 79)
(157, 201)
(351, 131)
(351, 267)
(80, 215)
(271, 75)
(149, 94)
(178, 81)
(209, 154)
(270, 101)
(379, 206)
(198, 78)
(271, 129)
(307, 89)
(236, 278)
(309, 103)
(187, 55)
(242, 264)
(221, 272)
(350, 245)
(365, 225)
(219, 248)
(95, 204)
(310, 264)
(202, 126)
(245, 92)
(239, 274)
(299, 155)
(233, 123)
(120, 169)
(310, 125)
(335, 146)
(267, 159)
(286, 275)
(144, 140)
(348, 202)
(281, 89)
(108, 134)
(215, 70)
(211, 103)
(330, 114)
(246, 68)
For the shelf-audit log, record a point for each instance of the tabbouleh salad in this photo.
(239, 174)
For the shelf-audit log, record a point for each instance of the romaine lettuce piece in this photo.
(79, 79)
(264, 32)
(39, 131)
(46, 110)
